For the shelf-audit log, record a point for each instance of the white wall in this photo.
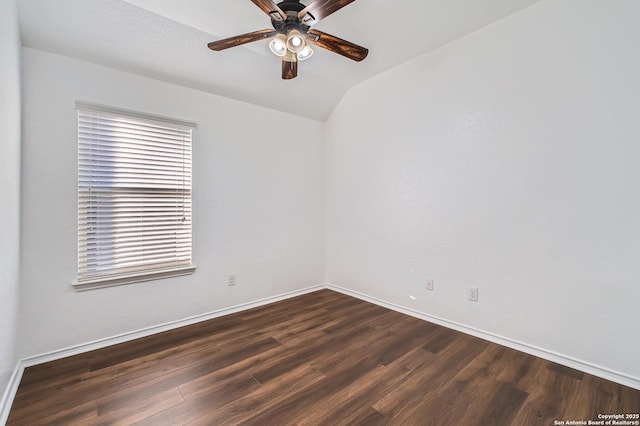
(509, 161)
(258, 205)
(9, 186)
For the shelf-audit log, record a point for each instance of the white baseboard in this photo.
(132, 335)
(9, 393)
(12, 387)
(567, 361)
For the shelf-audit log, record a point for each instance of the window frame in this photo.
(115, 279)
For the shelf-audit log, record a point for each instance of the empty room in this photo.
(319, 212)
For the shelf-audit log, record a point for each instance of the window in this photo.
(134, 197)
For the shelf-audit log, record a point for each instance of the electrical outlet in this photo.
(231, 280)
(429, 284)
(473, 294)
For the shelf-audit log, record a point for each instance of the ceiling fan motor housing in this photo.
(291, 6)
(292, 9)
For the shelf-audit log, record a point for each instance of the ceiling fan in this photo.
(292, 35)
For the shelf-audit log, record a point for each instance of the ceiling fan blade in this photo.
(241, 39)
(337, 45)
(271, 8)
(320, 9)
(289, 70)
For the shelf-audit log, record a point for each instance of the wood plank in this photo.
(428, 380)
(217, 395)
(549, 393)
(352, 404)
(80, 414)
(120, 411)
(304, 401)
(263, 399)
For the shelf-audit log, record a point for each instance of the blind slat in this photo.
(134, 194)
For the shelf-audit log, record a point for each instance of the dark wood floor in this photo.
(318, 359)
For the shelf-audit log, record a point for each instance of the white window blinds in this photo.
(134, 196)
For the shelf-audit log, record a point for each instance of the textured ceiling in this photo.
(166, 40)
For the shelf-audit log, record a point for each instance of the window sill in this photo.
(116, 280)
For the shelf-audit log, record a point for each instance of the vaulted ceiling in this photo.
(167, 40)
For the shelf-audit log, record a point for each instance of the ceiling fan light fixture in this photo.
(278, 45)
(295, 41)
(305, 53)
